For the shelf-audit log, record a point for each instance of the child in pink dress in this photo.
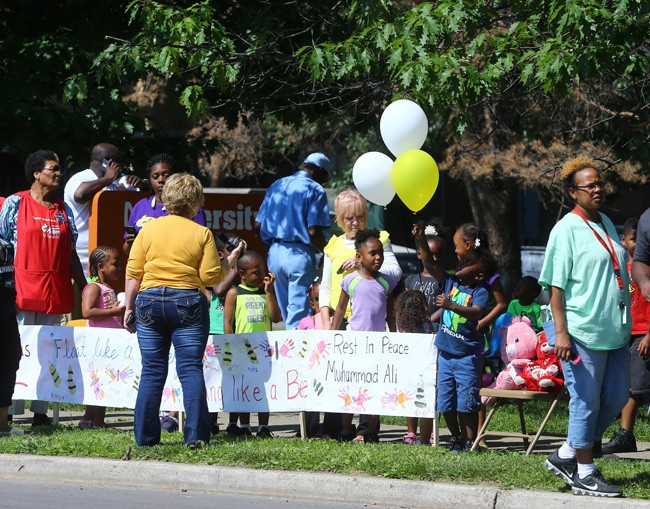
(102, 309)
(313, 321)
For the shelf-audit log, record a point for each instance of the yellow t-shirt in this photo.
(338, 252)
(176, 252)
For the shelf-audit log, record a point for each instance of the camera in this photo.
(231, 242)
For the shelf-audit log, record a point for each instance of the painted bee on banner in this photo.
(227, 355)
(72, 387)
(55, 375)
(250, 351)
(303, 349)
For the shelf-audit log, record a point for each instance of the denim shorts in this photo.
(459, 381)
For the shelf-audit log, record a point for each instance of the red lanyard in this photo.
(611, 252)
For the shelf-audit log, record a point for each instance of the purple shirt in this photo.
(149, 208)
(368, 301)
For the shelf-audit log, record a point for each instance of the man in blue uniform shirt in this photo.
(290, 221)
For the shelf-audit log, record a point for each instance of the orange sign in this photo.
(224, 212)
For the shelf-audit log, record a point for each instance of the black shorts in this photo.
(639, 368)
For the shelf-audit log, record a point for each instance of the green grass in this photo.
(507, 419)
(506, 470)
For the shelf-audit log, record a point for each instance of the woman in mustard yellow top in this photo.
(351, 211)
(171, 262)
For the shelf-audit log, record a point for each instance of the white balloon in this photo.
(403, 126)
(371, 176)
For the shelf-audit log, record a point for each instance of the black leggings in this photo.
(10, 350)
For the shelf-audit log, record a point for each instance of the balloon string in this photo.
(420, 264)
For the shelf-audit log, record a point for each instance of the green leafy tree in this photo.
(515, 88)
(52, 98)
(511, 89)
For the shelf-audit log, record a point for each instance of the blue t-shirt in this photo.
(457, 335)
(291, 206)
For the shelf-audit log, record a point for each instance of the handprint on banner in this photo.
(344, 394)
(354, 403)
(170, 392)
(95, 383)
(285, 349)
(397, 397)
(118, 375)
(212, 350)
(209, 356)
(267, 348)
(362, 397)
(136, 382)
(322, 350)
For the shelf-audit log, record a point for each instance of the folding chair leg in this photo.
(543, 424)
(481, 432)
(522, 421)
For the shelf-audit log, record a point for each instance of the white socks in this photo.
(585, 469)
(566, 452)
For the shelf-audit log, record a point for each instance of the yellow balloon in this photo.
(415, 177)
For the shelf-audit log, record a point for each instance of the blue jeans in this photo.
(292, 263)
(164, 317)
(599, 388)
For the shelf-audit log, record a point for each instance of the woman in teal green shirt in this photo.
(591, 311)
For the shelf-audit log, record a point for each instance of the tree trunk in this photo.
(494, 205)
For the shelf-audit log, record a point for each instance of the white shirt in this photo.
(81, 211)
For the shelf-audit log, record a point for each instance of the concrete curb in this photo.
(288, 484)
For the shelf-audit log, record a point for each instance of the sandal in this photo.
(409, 439)
(359, 439)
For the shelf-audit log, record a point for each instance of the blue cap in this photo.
(318, 159)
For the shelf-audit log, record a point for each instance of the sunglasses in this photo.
(592, 186)
(56, 168)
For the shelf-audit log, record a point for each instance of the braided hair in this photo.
(99, 255)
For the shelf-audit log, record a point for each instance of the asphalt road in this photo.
(64, 495)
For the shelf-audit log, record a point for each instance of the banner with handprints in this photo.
(279, 371)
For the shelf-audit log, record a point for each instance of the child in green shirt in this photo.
(525, 293)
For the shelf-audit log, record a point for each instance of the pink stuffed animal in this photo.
(519, 349)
